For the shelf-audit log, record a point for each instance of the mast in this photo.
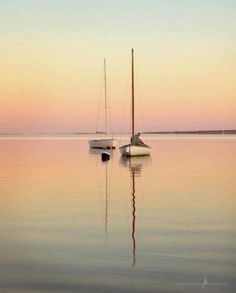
(132, 53)
(105, 95)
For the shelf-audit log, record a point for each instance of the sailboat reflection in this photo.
(106, 202)
(135, 164)
(96, 152)
(105, 163)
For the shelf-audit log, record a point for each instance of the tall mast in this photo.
(105, 95)
(132, 52)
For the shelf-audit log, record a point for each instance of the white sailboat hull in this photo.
(135, 150)
(103, 143)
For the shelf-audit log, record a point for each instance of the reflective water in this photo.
(70, 223)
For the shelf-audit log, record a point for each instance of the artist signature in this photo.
(203, 284)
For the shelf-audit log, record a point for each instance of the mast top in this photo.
(132, 90)
(105, 96)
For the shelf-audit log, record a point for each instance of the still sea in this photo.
(72, 223)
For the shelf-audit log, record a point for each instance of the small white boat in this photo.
(136, 146)
(104, 142)
(131, 150)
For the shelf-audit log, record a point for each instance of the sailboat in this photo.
(136, 146)
(106, 142)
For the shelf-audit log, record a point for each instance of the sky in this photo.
(51, 64)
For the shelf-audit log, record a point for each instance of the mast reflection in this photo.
(133, 219)
(135, 164)
(106, 202)
(96, 152)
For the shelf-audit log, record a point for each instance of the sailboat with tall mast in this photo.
(106, 142)
(136, 147)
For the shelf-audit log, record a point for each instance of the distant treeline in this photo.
(193, 132)
(232, 131)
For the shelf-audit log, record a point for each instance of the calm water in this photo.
(70, 223)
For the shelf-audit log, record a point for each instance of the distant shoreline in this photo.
(177, 132)
(192, 132)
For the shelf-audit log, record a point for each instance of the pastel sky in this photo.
(51, 59)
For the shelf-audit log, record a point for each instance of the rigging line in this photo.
(100, 100)
(110, 117)
(139, 94)
(105, 95)
(126, 98)
(111, 122)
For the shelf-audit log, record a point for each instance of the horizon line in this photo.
(207, 131)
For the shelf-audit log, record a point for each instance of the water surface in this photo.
(70, 223)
